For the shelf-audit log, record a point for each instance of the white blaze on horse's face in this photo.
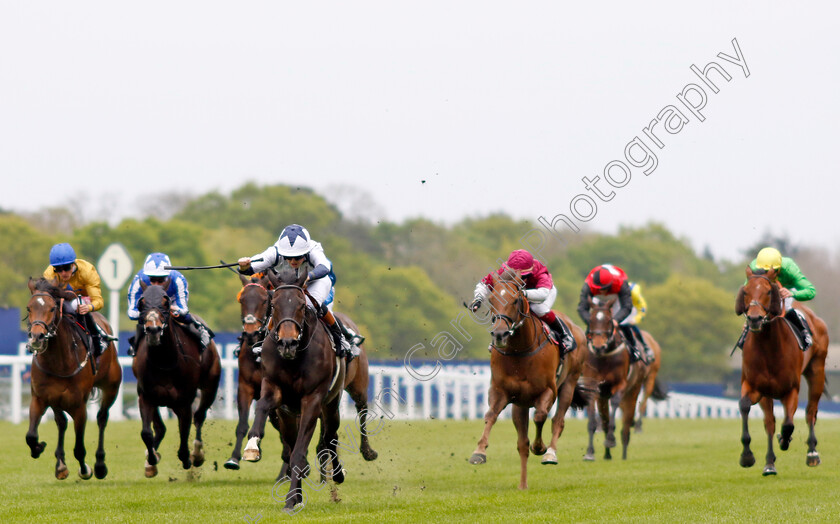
(599, 315)
(502, 292)
(40, 301)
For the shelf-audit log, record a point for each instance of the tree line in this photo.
(404, 283)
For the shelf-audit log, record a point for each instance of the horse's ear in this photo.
(610, 303)
(31, 285)
(772, 274)
(244, 279)
(302, 274)
(591, 302)
(739, 302)
(749, 272)
(143, 285)
(167, 282)
(775, 308)
(273, 279)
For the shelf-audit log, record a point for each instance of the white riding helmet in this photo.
(154, 265)
(294, 241)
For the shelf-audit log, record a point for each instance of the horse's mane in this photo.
(47, 286)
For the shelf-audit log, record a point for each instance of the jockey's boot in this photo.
(649, 357)
(342, 347)
(200, 332)
(134, 342)
(630, 342)
(98, 344)
(567, 341)
(353, 339)
(798, 320)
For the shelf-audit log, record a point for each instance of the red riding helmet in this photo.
(522, 261)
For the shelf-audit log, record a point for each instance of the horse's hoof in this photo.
(369, 454)
(538, 450)
(550, 457)
(186, 464)
(747, 461)
(607, 454)
(197, 456)
(338, 476)
(768, 470)
(38, 449)
(589, 457)
(478, 458)
(232, 464)
(85, 472)
(252, 450)
(813, 459)
(151, 471)
(609, 442)
(61, 472)
(100, 471)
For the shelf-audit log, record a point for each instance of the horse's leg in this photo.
(541, 407)
(37, 407)
(646, 392)
(148, 413)
(269, 399)
(815, 375)
(244, 396)
(61, 470)
(789, 402)
(208, 389)
(331, 422)
(628, 412)
(359, 396)
(766, 404)
(79, 422)
(746, 402)
(606, 421)
(520, 420)
(565, 393)
(109, 395)
(310, 408)
(497, 401)
(288, 435)
(159, 427)
(592, 427)
(184, 414)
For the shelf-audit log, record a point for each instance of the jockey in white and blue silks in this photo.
(295, 246)
(154, 272)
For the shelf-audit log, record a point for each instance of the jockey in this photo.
(154, 273)
(80, 277)
(539, 290)
(296, 247)
(794, 286)
(607, 281)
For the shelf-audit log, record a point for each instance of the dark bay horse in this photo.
(254, 300)
(772, 364)
(303, 380)
(63, 376)
(618, 382)
(524, 364)
(170, 371)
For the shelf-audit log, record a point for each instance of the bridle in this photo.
(611, 339)
(250, 318)
(514, 325)
(275, 330)
(766, 318)
(51, 328)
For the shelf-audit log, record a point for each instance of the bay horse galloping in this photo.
(618, 382)
(302, 380)
(772, 363)
(524, 364)
(171, 370)
(254, 299)
(63, 376)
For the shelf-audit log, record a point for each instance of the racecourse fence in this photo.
(456, 391)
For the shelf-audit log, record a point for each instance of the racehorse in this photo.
(171, 369)
(63, 376)
(524, 364)
(772, 363)
(254, 300)
(303, 380)
(608, 369)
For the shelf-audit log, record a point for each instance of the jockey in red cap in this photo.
(539, 290)
(602, 283)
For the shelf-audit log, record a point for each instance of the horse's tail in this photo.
(659, 392)
(581, 396)
(95, 395)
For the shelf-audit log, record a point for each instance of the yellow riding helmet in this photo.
(769, 258)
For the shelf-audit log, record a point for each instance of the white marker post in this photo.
(115, 268)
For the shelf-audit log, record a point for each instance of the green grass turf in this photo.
(677, 471)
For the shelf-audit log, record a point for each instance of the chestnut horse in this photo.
(618, 382)
(63, 376)
(170, 371)
(524, 364)
(302, 379)
(254, 299)
(772, 363)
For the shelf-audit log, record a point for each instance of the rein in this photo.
(766, 318)
(513, 326)
(300, 327)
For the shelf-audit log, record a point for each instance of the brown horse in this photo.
(618, 382)
(63, 376)
(254, 299)
(772, 364)
(170, 371)
(303, 380)
(524, 364)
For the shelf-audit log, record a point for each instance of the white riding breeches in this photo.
(320, 290)
(542, 308)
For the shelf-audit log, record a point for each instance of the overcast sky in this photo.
(497, 106)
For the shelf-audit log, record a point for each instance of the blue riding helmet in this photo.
(62, 254)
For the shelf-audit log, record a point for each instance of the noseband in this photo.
(275, 333)
(52, 328)
(250, 318)
(766, 317)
